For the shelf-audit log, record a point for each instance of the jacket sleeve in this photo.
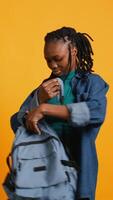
(18, 118)
(93, 110)
(30, 102)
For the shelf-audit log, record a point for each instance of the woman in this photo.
(78, 117)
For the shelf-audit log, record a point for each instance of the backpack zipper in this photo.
(34, 142)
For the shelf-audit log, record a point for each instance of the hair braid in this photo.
(80, 41)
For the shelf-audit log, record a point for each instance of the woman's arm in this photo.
(92, 111)
(18, 119)
(42, 110)
(60, 111)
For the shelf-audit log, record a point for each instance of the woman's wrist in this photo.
(44, 108)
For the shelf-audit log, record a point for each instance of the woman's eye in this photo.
(58, 59)
(55, 60)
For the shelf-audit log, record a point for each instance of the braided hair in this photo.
(78, 40)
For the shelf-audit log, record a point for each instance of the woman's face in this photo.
(56, 54)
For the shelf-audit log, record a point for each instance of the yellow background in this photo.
(23, 24)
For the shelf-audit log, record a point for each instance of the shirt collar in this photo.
(78, 74)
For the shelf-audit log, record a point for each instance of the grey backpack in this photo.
(40, 167)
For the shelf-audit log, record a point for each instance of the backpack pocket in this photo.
(38, 165)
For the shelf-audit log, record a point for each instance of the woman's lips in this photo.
(56, 72)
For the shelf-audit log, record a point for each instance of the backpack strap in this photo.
(8, 160)
(70, 163)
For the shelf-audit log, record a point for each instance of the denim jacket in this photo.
(87, 114)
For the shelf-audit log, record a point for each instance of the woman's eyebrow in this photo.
(52, 57)
(57, 56)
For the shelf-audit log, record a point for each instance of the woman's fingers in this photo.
(50, 82)
(51, 85)
(33, 126)
(37, 129)
(54, 88)
(48, 90)
(32, 118)
(54, 94)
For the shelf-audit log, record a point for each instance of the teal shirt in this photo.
(60, 125)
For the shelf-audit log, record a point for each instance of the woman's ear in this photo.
(74, 51)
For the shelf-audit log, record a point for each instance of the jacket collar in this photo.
(81, 75)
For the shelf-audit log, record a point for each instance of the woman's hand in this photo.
(48, 90)
(32, 118)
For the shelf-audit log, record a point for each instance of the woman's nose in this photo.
(53, 65)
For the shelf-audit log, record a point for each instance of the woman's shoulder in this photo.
(97, 83)
(96, 78)
(90, 77)
(92, 81)
(93, 75)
